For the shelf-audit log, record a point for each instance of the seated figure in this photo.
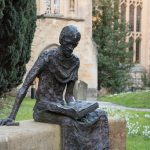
(57, 69)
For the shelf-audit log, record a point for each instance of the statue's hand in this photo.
(8, 122)
(70, 100)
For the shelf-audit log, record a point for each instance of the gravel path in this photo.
(112, 105)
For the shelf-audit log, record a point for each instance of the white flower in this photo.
(146, 132)
(147, 115)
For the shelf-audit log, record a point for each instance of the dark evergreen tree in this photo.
(110, 34)
(17, 27)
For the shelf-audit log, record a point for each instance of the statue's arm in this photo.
(35, 70)
(69, 92)
(70, 85)
(23, 90)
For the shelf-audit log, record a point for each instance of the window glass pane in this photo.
(138, 49)
(131, 46)
(131, 42)
(52, 6)
(131, 17)
(138, 21)
(123, 12)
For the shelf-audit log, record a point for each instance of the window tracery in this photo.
(123, 1)
(48, 6)
(52, 7)
(131, 11)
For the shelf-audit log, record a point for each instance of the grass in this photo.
(139, 99)
(25, 111)
(137, 143)
(138, 137)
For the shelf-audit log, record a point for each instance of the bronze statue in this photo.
(84, 127)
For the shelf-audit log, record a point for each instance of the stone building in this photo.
(136, 13)
(55, 14)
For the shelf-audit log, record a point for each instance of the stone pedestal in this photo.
(32, 135)
(117, 134)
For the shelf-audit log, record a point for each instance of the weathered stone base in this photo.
(32, 135)
(117, 134)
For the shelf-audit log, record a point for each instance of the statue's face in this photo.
(68, 46)
(69, 38)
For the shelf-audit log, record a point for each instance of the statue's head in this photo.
(69, 38)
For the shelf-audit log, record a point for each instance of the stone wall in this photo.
(32, 135)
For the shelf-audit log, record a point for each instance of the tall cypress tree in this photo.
(110, 34)
(17, 27)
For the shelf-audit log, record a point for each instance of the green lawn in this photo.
(138, 123)
(25, 111)
(139, 99)
(137, 143)
(138, 127)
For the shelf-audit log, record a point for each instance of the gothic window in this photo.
(131, 46)
(72, 4)
(123, 12)
(138, 21)
(131, 42)
(47, 6)
(56, 6)
(138, 50)
(52, 6)
(131, 17)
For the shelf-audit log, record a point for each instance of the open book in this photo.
(76, 110)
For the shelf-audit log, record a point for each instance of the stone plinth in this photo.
(117, 134)
(32, 135)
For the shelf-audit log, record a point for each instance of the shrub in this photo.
(17, 25)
